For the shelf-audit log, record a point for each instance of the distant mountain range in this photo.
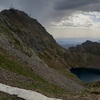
(87, 47)
(90, 52)
(68, 45)
(68, 42)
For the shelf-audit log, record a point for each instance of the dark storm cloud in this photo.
(38, 9)
(77, 5)
(46, 11)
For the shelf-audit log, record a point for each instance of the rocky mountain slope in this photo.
(88, 52)
(30, 58)
(87, 47)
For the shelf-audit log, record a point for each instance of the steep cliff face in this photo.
(27, 49)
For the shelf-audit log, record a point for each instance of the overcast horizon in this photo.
(62, 18)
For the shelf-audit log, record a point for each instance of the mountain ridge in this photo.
(24, 43)
(90, 51)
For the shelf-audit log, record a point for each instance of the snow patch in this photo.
(22, 93)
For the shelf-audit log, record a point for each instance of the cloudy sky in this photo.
(62, 18)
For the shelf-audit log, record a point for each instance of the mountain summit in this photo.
(31, 58)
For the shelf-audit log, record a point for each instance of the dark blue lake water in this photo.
(87, 74)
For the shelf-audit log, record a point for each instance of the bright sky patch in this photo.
(85, 20)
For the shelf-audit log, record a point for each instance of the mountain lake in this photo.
(87, 74)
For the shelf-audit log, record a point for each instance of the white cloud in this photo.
(84, 20)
